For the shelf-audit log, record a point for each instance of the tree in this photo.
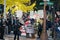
(19, 5)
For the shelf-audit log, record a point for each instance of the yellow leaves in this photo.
(16, 8)
(19, 5)
(23, 7)
(9, 3)
(1, 1)
(31, 6)
(21, 1)
(7, 8)
(25, 1)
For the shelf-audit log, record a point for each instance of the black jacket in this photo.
(39, 27)
(1, 26)
(16, 28)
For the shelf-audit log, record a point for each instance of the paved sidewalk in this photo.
(11, 37)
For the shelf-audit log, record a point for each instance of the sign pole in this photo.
(44, 35)
(4, 9)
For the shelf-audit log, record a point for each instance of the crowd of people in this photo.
(7, 23)
(12, 23)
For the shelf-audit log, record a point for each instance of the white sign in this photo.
(31, 13)
(19, 13)
(46, 0)
(36, 14)
(40, 13)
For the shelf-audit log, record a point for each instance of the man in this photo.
(57, 29)
(17, 31)
(9, 25)
(39, 29)
(1, 27)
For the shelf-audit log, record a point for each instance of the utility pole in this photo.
(5, 9)
(44, 35)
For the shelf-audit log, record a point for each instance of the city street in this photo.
(30, 19)
(11, 37)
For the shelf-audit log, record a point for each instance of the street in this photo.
(11, 37)
(30, 19)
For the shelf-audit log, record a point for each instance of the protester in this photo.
(9, 25)
(48, 27)
(39, 29)
(17, 31)
(2, 26)
(57, 29)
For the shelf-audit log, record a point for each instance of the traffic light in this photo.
(1, 8)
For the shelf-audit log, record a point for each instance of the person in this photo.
(48, 24)
(57, 29)
(9, 25)
(17, 31)
(39, 29)
(48, 27)
(1, 27)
